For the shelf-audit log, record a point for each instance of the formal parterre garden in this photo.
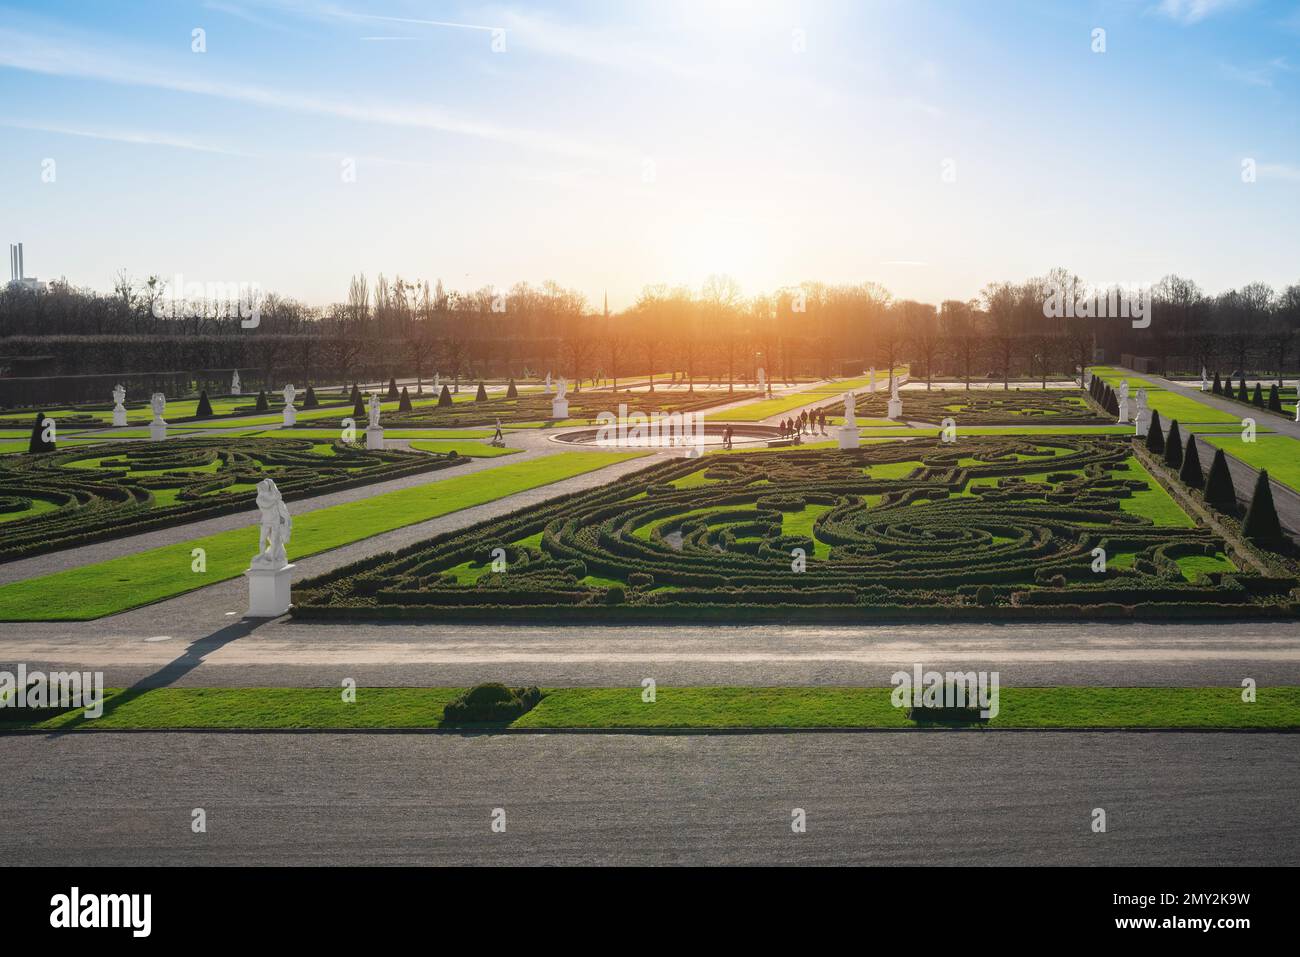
(1057, 407)
(536, 409)
(987, 528)
(63, 499)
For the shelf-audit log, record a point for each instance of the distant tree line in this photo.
(715, 334)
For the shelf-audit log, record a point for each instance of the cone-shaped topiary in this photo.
(1261, 525)
(1274, 400)
(262, 404)
(310, 401)
(37, 442)
(1257, 399)
(359, 410)
(1191, 474)
(1112, 401)
(1219, 490)
(404, 403)
(204, 410)
(1243, 393)
(1228, 391)
(1155, 435)
(355, 394)
(444, 398)
(392, 390)
(481, 395)
(511, 391)
(1217, 388)
(1174, 446)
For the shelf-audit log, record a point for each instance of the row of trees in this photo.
(714, 334)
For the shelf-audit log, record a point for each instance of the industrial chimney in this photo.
(20, 261)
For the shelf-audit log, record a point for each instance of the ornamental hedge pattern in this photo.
(983, 407)
(535, 407)
(112, 490)
(985, 528)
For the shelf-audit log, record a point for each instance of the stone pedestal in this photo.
(375, 438)
(847, 436)
(895, 408)
(268, 591)
(157, 430)
(119, 416)
(559, 408)
(695, 452)
(1123, 411)
(290, 415)
(1141, 422)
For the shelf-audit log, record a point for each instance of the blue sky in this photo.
(611, 144)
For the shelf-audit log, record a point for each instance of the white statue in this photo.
(273, 535)
(872, 387)
(893, 387)
(234, 383)
(373, 411)
(290, 413)
(119, 410)
(1142, 418)
(158, 427)
(847, 434)
(1205, 383)
(1123, 402)
(560, 404)
(548, 383)
(762, 382)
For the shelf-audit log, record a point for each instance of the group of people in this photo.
(805, 423)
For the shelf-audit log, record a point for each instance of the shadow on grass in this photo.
(193, 656)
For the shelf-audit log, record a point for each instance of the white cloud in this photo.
(128, 136)
(35, 53)
(1194, 11)
(1284, 171)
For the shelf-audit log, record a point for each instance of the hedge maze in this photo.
(982, 529)
(64, 499)
(984, 407)
(536, 407)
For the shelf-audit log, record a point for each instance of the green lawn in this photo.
(1280, 454)
(474, 450)
(762, 409)
(81, 594)
(1154, 503)
(679, 708)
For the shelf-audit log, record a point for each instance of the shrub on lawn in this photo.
(262, 404)
(37, 442)
(1191, 474)
(392, 390)
(491, 702)
(359, 409)
(1155, 435)
(985, 595)
(355, 394)
(640, 579)
(1257, 399)
(310, 402)
(481, 395)
(1274, 400)
(444, 398)
(1261, 525)
(204, 410)
(404, 403)
(1219, 490)
(615, 595)
(511, 391)
(1217, 388)
(1174, 446)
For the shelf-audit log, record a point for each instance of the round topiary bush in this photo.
(491, 702)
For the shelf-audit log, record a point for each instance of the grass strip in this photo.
(702, 708)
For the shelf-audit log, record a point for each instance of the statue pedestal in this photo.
(375, 438)
(119, 416)
(559, 408)
(1123, 411)
(268, 591)
(290, 415)
(1142, 422)
(895, 408)
(696, 452)
(157, 430)
(847, 436)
